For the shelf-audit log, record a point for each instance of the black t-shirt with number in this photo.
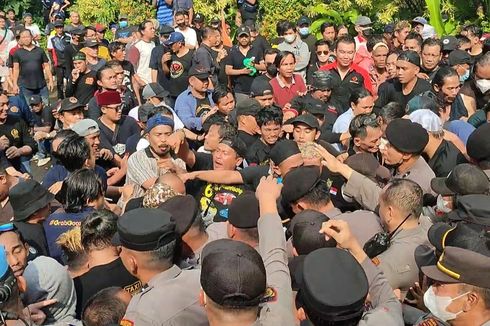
(179, 69)
(213, 199)
(31, 62)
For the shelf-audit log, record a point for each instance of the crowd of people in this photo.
(188, 177)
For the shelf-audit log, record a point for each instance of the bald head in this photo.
(173, 181)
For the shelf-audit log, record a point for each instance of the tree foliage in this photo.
(107, 11)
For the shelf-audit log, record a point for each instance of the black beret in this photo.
(184, 211)
(410, 56)
(478, 144)
(333, 284)
(144, 229)
(243, 212)
(407, 136)
(233, 274)
(236, 144)
(298, 182)
(282, 150)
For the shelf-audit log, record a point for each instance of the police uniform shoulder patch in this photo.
(126, 322)
(376, 261)
(428, 322)
(14, 109)
(14, 133)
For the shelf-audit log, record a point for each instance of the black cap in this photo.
(78, 31)
(27, 197)
(282, 150)
(449, 43)
(236, 144)
(314, 106)
(323, 80)
(333, 285)
(472, 209)
(243, 212)
(410, 56)
(464, 179)
(198, 18)
(298, 182)
(366, 164)
(165, 29)
(478, 146)
(233, 274)
(303, 20)
(70, 103)
(35, 99)
(145, 110)
(184, 211)
(59, 23)
(90, 43)
(248, 106)
(243, 30)
(407, 136)
(307, 119)
(459, 57)
(215, 21)
(199, 72)
(260, 87)
(462, 235)
(144, 229)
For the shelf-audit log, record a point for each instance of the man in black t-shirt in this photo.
(176, 64)
(156, 58)
(407, 85)
(242, 64)
(82, 83)
(43, 124)
(248, 129)
(73, 48)
(118, 53)
(57, 44)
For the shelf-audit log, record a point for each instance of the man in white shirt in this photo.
(139, 54)
(190, 35)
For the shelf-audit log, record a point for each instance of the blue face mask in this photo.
(123, 23)
(465, 76)
(304, 31)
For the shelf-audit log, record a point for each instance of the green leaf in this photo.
(434, 7)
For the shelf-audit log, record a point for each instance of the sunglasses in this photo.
(322, 52)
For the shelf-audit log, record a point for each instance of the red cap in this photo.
(100, 28)
(108, 98)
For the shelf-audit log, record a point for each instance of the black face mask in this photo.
(367, 32)
(380, 242)
(181, 25)
(271, 70)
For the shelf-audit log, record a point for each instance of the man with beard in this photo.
(146, 165)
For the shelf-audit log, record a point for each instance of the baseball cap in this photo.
(144, 111)
(233, 274)
(303, 20)
(85, 127)
(366, 164)
(243, 212)
(35, 99)
(449, 43)
(248, 106)
(236, 144)
(307, 119)
(419, 20)
(428, 32)
(70, 103)
(407, 136)
(427, 119)
(108, 98)
(243, 30)
(478, 146)
(363, 21)
(78, 31)
(198, 18)
(464, 179)
(215, 21)
(424, 101)
(282, 150)
(298, 182)
(59, 23)
(158, 120)
(260, 87)
(90, 43)
(199, 72)
(174, 38)
(410, 56)
(79, 56)
(184, 211)
(154, 90)
(458, 265)
(165, 29)
(459, 57)
(332, 284)
(27, 14)
(144, 229)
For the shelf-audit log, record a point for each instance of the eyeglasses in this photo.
(7, 227)
(322, 52)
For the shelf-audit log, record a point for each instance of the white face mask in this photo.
(442, 205)
(483, 85)
(289, 38)
(438, 305)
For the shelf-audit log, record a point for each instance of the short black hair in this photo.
(271, 51)
(319, 195)
(326, 25)
(267, 115)
(208, 30)
(219, 92)
(359, 124)
(346, 39)
(181, 13)
(373, 40)
(305, 239)
(324, 42)
(415, 36)
(73, 152)
(116, 45)
(113, 63)
(359, 94)
(391, 111)
(98, 75)
(432, 42)
(473, 29)
(97, 229)
(442, 73)
(104, 308)
(281, 27)
(462, 40)
(82, 186)
(142, 26)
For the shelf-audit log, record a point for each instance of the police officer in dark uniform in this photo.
(169, 296)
